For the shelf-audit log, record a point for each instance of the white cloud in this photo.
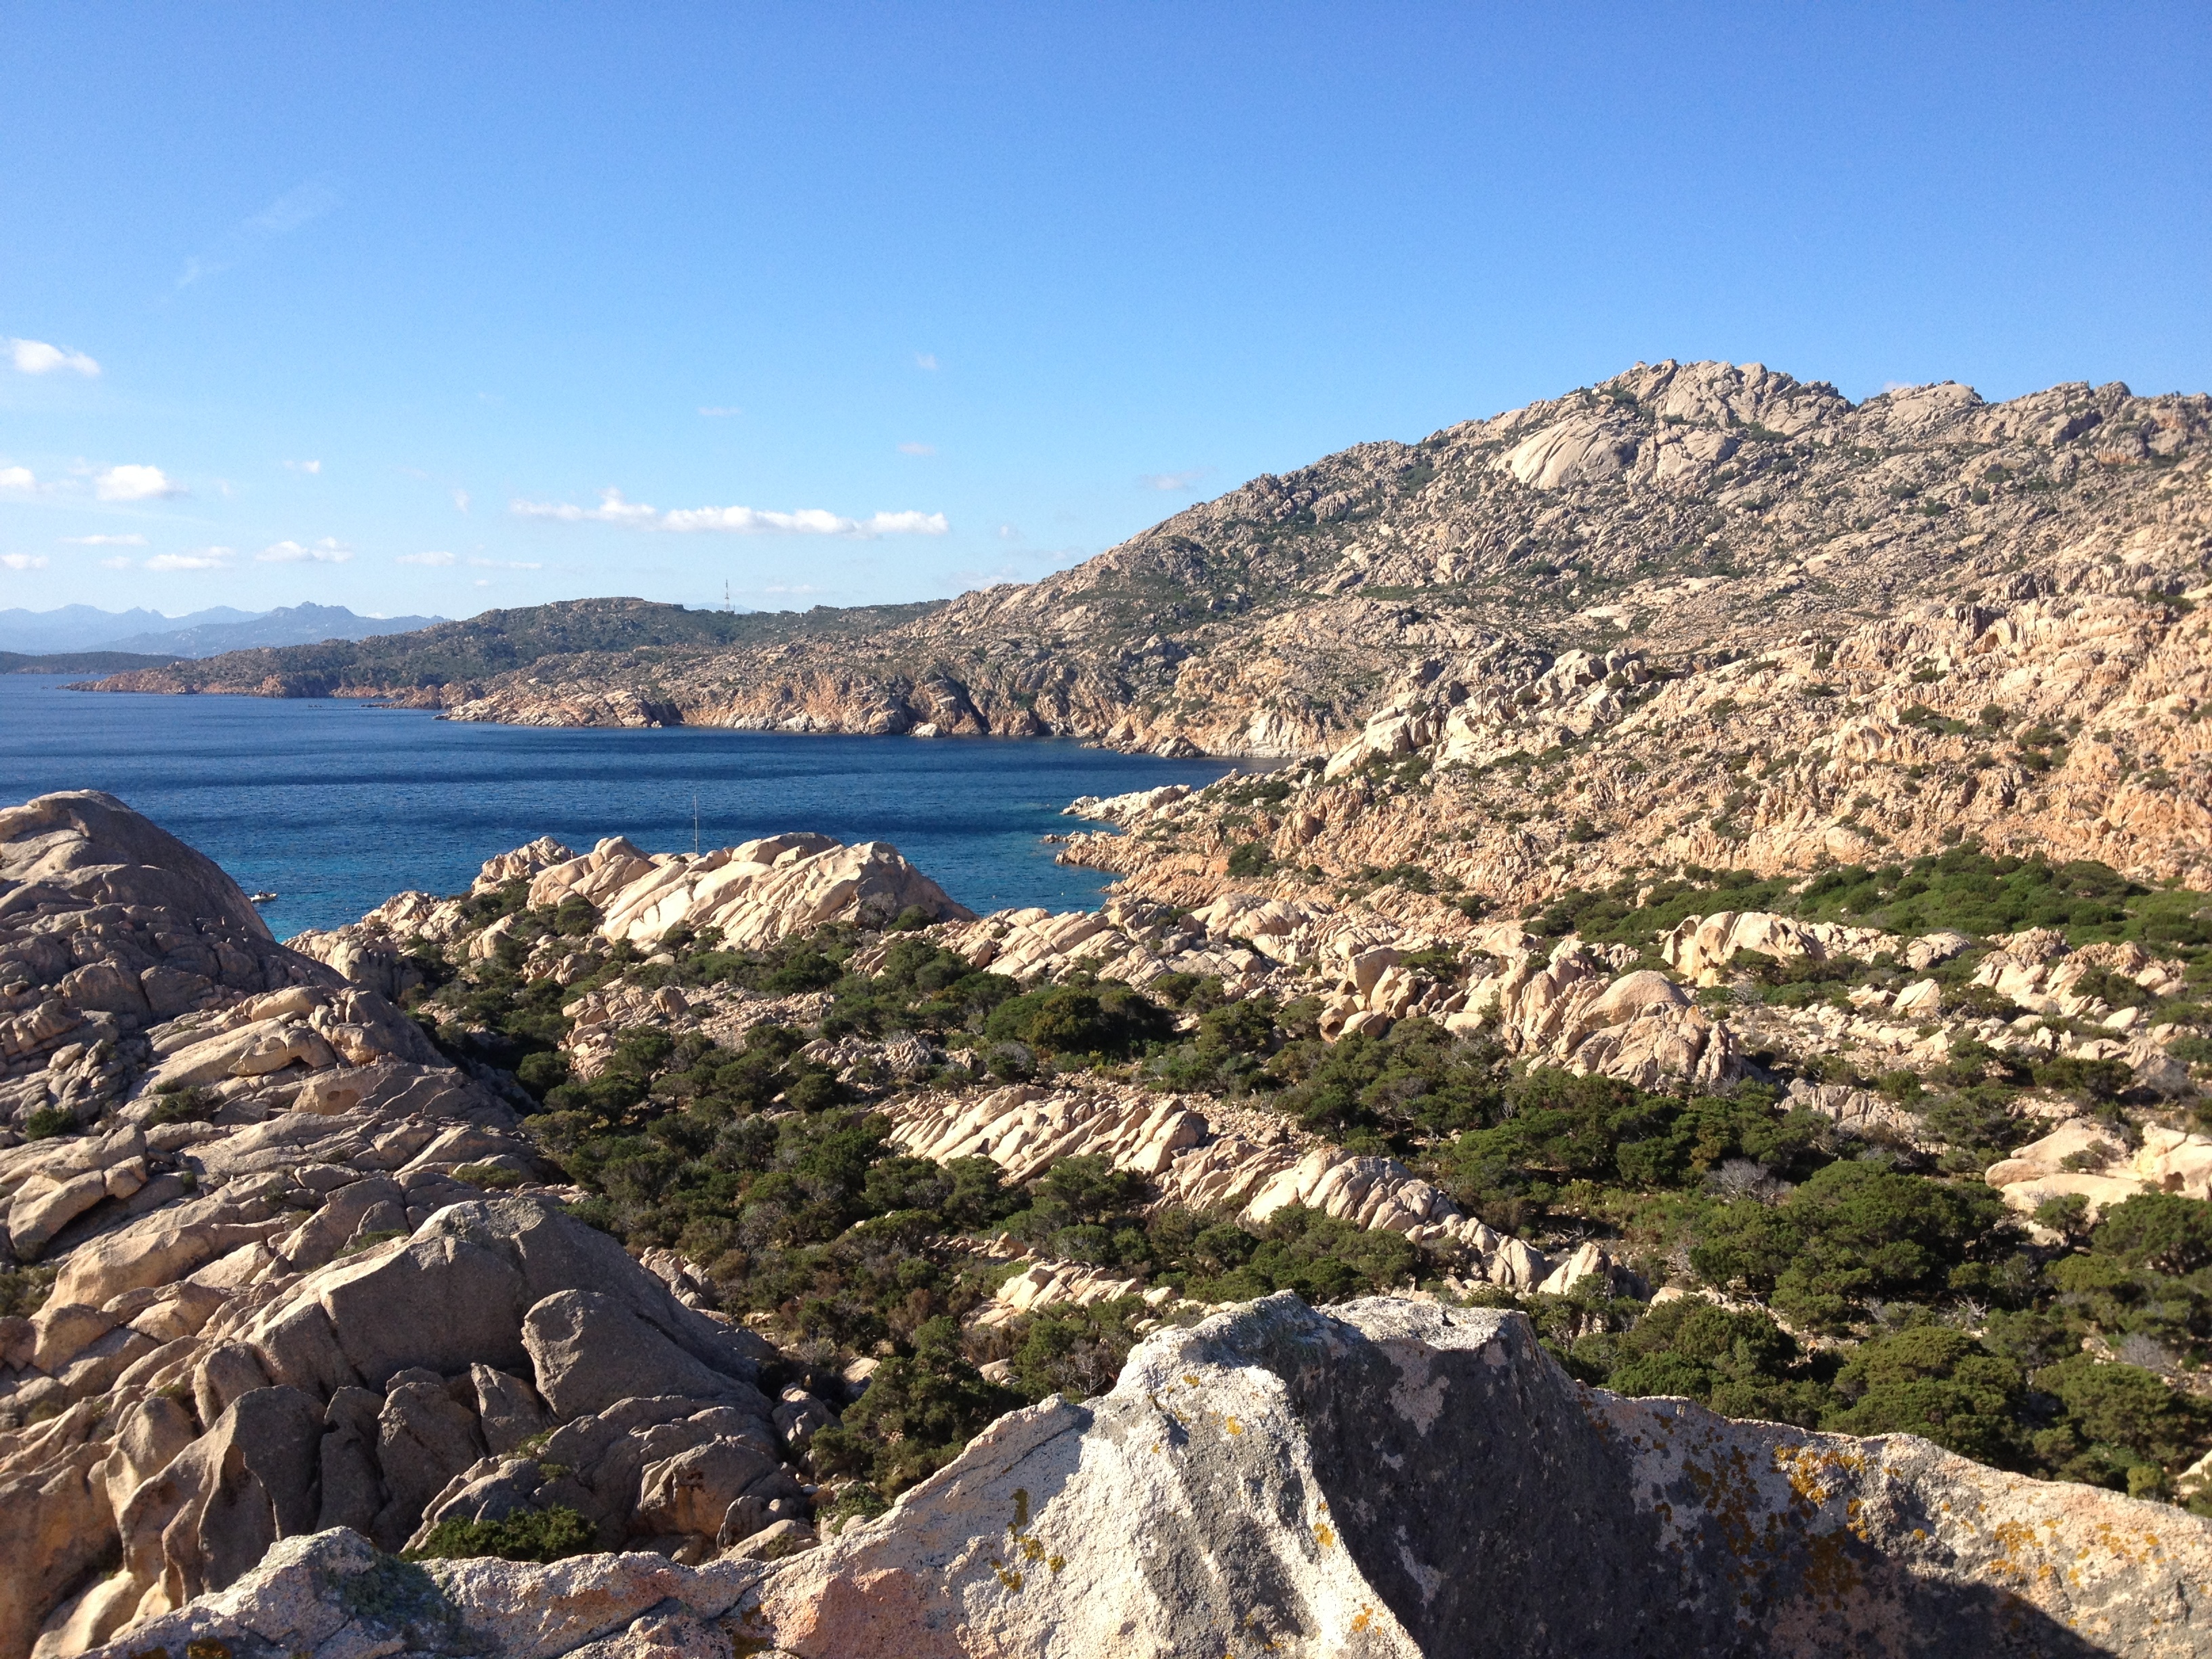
(208, 558)
(303, 466)
(17, 478)
(506, 564)
(917, 449)
(435, 559)
(461, 500)
(37, 357)
(1176, 483)
(132, 540)
(732, 520)
(925, 360)
(115, 564)
(325, 551)
(134, 483)
(23, 561)
(720, 411)
(611, 509)
(905, 524)
(294, 208)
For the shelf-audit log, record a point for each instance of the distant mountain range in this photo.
(201, 633)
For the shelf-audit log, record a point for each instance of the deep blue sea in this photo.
(335, 806)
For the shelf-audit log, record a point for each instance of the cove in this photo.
(335, 805)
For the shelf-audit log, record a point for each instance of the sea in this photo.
(334, 805)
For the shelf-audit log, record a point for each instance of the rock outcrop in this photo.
(281, 1296)
(1387, 1478)
(753, 893)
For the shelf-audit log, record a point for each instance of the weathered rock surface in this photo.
(755, 893)
(279, 1303)
(130, 964)
(1391, 1478)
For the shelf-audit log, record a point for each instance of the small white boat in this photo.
(261, 898)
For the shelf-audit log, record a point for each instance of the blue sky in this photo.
(880, 303)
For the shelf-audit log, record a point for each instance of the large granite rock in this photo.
(1397, 1478)
(1390, 1478)
(755, 893)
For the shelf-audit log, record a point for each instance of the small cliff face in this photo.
(1386, 1479)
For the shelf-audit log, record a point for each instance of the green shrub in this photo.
(1936, 1382)
(1737, 1361)
(1105, 1018)
(48, 1121)
(919, 1413)
(2163, 1231)
(23, 1290)
(1249, 859)
(547, 1534)
(1853, 1230)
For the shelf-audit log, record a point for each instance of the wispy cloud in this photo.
(720, 411)
(115, 564)
(23, 561)
(18, 479)
(732, 520)
(131, 540)
(37, 357)
(437, 560)
(325, 551)
(506, 564)
(303, 466)
(134, 483)
(461, 500)
(208, 558)
(1174, 482)
(917, 449)
(299, 205)
(925, 360)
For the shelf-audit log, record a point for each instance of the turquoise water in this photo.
(335, 806)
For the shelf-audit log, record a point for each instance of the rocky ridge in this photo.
(1673, 509)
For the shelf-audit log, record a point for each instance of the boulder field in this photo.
(1386, 1478)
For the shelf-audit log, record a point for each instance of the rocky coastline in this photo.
(1678, 1119)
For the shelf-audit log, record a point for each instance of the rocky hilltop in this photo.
(1673, 510)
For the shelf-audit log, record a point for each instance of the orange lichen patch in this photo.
(1232, 1426)
(1816, 1474)
(1362, 1618)
(1324, 1534)
(1831, 1575)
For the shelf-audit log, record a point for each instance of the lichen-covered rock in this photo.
(1389, 1478)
